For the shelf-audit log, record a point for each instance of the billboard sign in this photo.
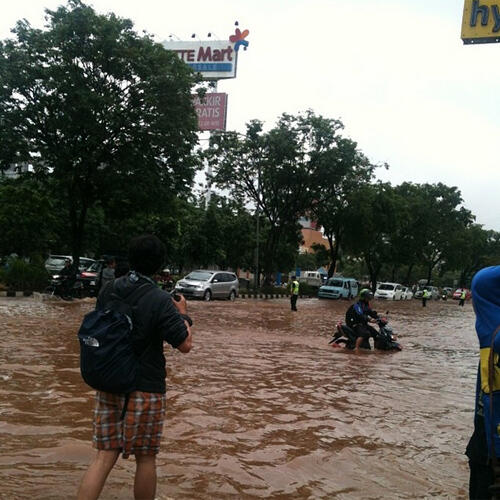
(481, 21)
(214, 59)
(211, 110)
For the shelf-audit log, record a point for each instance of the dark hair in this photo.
(121, 268)
(146, 254)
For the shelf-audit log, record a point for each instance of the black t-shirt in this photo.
(156, 320)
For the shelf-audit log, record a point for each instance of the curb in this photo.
(12, 293)
(269, 296)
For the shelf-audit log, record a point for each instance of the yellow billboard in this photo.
(481, 21)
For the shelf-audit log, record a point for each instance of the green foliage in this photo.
(21, 275)
(306, 261)
(274, 172)
(274, 290)
(372, 219)
(306, 289)
(28, 217)
(431, 224)
(105, 113)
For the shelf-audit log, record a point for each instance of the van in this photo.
(207, 285)
(389, 291)
(339, 288)
(312, 278)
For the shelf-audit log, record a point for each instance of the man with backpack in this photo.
(130, 420)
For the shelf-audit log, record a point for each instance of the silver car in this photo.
(208, 285)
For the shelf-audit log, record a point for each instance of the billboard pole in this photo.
(209, 165)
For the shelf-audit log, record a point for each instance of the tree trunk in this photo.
(429, 273)
(408, 274)
(373, 273)
(77, 231)
(334, 253)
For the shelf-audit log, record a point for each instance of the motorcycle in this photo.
(383, 339)
(60, 287)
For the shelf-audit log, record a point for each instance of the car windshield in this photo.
(334, 282)
(55, 261)
(386, 286)
(199, 276)
(94, 268)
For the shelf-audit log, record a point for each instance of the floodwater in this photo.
(262, 407)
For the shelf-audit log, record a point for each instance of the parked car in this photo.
(407, 294)
(433, 289)
(389, 291)
(337, 288)
(55, 263)
(458, 292)
(207, 285)
(90, 278)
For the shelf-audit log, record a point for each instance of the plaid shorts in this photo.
(139, 433)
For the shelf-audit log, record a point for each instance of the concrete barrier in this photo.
(12, 293)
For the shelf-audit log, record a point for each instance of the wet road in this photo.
(261, 408)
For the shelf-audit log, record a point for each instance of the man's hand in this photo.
(180, 304)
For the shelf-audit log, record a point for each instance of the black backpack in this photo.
(108, 361)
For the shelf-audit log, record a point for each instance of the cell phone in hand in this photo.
(176, 296)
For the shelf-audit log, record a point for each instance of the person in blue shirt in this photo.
(359, 315)
(484, 445)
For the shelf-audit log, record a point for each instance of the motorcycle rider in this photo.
(359, 315)
(68, 277)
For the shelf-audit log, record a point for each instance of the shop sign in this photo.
(481, 21)
(211, 110)
(213, 59)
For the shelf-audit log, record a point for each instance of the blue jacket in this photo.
(486, 300)
(358, 314)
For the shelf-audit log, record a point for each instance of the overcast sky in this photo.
(394, 71)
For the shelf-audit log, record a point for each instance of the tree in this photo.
(433, 221)
(372, 220)
(478, 248)
(339, 169)
(101, 111)
(272, 171)
(28, 218)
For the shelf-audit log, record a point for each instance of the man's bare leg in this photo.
(95, 477)
(359, 340)
(145, 477)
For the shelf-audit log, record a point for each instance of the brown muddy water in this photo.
(262, 407)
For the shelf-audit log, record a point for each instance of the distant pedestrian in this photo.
(463, 296)
(425, 295)
(294, 293)
(108, 272)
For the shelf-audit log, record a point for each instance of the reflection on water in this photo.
(262, 406)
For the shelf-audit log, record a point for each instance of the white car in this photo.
(407, 293)
(389, 291)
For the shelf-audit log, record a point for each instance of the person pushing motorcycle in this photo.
(359, 315)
